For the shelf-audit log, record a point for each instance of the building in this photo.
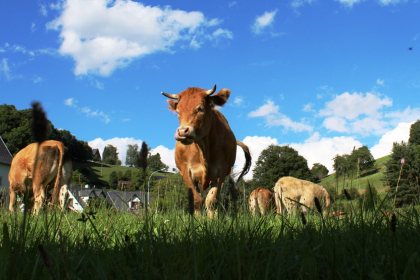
(5, 163)
(96, 155)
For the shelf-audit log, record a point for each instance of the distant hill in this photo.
(375, 178)
(98, 173)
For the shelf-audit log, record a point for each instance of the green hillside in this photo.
(98, 173)
(375, 178)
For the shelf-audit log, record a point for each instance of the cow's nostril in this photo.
(186, 130)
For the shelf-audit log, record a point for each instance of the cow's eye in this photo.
(200, 109)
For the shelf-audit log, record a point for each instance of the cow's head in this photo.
(193, 107)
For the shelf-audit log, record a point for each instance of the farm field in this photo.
(112, 245)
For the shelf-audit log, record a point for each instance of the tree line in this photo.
(15, 129)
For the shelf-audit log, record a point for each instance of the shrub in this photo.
(353, 192)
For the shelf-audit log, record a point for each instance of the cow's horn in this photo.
(173, 96)
(211, 91)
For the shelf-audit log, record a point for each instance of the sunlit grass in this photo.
(115, 245)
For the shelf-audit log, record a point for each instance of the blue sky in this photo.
(321, 76)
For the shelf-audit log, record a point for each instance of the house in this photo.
(5, 163)
(123, 184)
(96, 155)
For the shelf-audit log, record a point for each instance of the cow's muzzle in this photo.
(185, 134)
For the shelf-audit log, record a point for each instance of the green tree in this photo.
(415, 133)
(15, 129)
(113, 180)
(279, 161)
(319, 171)
(364, 156)
(141, 159)
(138, 178)
(78, 178)
(341, 164)
(127, 175)
(403, 174)
(110, 155)
(132, 154)
(155, 163)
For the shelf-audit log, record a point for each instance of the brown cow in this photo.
(205, 150)
(261, 201)
(288, 190)
(53, 170)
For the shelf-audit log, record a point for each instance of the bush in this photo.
(332, 191)
(370, 198)
(353, 192)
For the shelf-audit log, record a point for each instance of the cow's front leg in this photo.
(212, 199)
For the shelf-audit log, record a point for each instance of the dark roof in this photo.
(5, 155)
(96, 151)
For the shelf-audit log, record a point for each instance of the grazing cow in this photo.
(50, 169)
(261, 201)
(288, 190)
(205, 150)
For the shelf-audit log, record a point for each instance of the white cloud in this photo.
(408, 115)
(398, 134)
(351, 106)
(223, 33)
(43, 10)
(102, 35)
(99, 85)
(4, 68)
(263, 21)
(125, 120)
(348, 3)
(388, 2)
(274, 118)
(231, 4)
(97, 113)
(37, 80)
(369, 126)
(380, 82)
(70, 102)
(308, 107)
(239, 100)
(323, 150)
(298, 3)
(256, 145)
(33, 27)
(167, 155)
(315, 150)
(336, 124)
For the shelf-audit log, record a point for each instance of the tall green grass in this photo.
(115, 245)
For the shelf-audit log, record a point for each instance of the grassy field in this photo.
(365, 243)
(115, 245)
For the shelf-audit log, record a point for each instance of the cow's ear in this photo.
(172, 105)
(221, 97)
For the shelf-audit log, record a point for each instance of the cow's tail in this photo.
(248, 159)
(57, 183)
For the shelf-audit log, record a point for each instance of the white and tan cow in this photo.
(288, 190)
(53, 171)
(261, 201)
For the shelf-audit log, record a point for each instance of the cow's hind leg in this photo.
(12, 199)
(39, 196)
